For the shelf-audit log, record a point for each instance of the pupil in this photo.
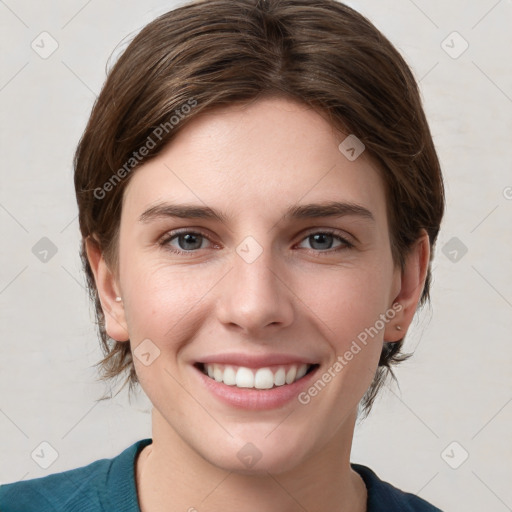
(189, 238)
(322, 237)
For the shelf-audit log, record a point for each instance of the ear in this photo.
(115, 321)
(411, 284)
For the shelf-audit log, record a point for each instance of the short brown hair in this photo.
(215, 53)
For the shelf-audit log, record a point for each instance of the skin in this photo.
(298, 297)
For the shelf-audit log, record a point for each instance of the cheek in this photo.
(164, 300)
(348, 301)
(168, 302)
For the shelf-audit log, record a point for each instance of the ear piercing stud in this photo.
(118, 299)
(398, 328)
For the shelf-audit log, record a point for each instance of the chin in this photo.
(257, 455)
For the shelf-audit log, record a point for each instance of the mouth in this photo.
(264, 378)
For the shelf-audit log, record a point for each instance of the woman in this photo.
(259, 196)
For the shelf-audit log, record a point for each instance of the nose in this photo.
(255, 295)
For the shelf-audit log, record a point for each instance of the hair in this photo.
(211, 54)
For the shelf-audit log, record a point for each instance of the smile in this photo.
(256, 378)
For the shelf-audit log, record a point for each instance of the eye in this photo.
(323, 241)
(187, 241)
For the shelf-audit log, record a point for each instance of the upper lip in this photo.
(255, 361)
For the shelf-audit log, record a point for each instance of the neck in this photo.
(171, 476)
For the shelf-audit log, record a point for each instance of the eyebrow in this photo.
(297, 212)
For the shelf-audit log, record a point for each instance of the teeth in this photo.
(290, 375)
(218, 374)
(229, 376)
(301, 371)
(244, 378)
(262, 378)
(280, 377)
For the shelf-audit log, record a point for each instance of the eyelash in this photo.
(174, 234)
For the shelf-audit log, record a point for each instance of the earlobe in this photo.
(113, 309)
(412, 283)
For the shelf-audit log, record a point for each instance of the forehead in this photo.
(257, 159)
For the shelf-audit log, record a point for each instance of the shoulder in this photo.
(383, 497)
(95, 487)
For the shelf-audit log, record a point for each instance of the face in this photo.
(225, 313)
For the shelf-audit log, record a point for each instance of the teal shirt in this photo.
(108, 485)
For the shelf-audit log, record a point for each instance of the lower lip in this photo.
(256, 399)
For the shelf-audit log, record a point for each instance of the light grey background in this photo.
(456, 388)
